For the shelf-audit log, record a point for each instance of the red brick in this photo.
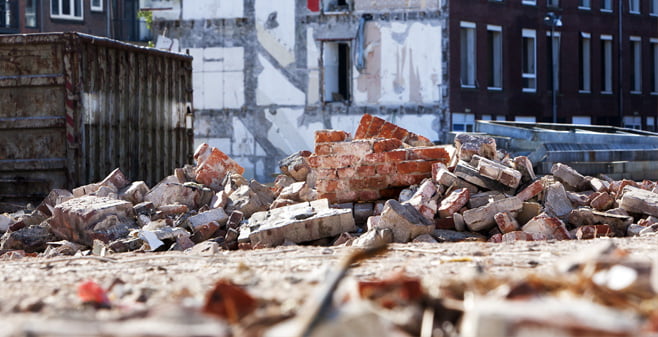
(603, 202)
(376, 182)
(358, 148)
(366, 171)
(415, 166)
(346, 196)
(336, 161)
(363, 127)
(314, 161)
(496, 238)
(401, 134)
(388, 130)
(417, 140)
(429, 153)
(385, 169)
(323, 149)
(374, 128)
(530, 191)
(326, 136)
(374, 158)
(395, 156)
(506, 222)
(385, 145)
(592, 231)
(368, 195)
(326, 186)
(517, 236)
(408, 179)
(330, 196)
(454, 202)
(346, 172)
(326, 174)
(213, 165)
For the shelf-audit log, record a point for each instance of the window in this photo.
(31, 13)
(525, 119)
(467, 54)
(651, 124)
(636, 64)
(336, 5)
(529, 2)
(553, 60)
(634, 6)
(529, 57)
(66, 9)
(336, 58)
(584, 4)
(653, 7)
(97, 5)
(654, 66)
(495, 52)
(8, 17)
(585, 62)
(633, 122)
(463, 122)
(553, 3)
(581, 120)
(606, 5)
(606, 64)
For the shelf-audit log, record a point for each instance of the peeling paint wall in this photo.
(258, 71)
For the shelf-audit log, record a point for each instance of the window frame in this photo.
(468, 66)
(72, 16)
(346, 68)
(634, 7)
(529, 2)
(636, 64)
(605, 8)
(585, 4)
(35, 14)
(653, 7)
(98, 8)
(585, 69)
(495, 54)
(653, 50)
(553, 42)
(607, 67)
(553, 3)
(464, 119)
(527, 34)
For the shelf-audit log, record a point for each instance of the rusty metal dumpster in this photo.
(73, 107)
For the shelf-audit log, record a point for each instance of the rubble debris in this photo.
(482, 218)
(374, 237)
(296, 165)
(468, 145)
(91, 292)
(213, 165)
(229, 301)
(635, 200)
(405, 221)
(567, 175)
(31, 239)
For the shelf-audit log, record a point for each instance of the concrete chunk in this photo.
(251, 198)
(299, 223)
(296, 165)
(454, 202)
(506, 222)
(468, 145)
(551, 227)
(441, 175)
(584, 216)
(635, 200)
(375, 237)
(556, 201)
(498, 172)
(567, 175)
(86, 218)
(469, 173)
(404, 220)
(482, 218)
(134, 192)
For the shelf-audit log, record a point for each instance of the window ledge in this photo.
(67, 18)
(494, 89)
(606, 92)
(636, 92)
(528, 90)
(584, 91)
(585, 8)
(636, 13)
(466, 86)
(654, 94)
(606, 10)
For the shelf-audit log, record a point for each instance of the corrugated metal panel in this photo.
(81, 106)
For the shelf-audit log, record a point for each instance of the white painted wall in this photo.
(284, 33)
(218, 77)
(274, 88)
(212, 9)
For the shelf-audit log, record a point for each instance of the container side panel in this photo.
(30, 59)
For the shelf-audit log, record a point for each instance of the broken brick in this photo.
(556, 201)
(506, 222)
(404, 220)
(228, 301)
(635, 200)
(330, 136)
(213, 165)
(593, 231)
(482, 218)
(567, 175)
(531, 190)
(469, 145)
(385, 145)
(551, 227)
(454, 202)
(603, 202)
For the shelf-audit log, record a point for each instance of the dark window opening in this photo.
(336, 58)
(336, 5)
(8, 16)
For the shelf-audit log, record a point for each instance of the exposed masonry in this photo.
(219, 123)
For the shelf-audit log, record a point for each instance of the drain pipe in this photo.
(621, 64)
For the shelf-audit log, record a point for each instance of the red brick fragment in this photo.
(397, 291)
(366, 171)
(229, 302)
(385, 145)
(213, 165)
(368, 195)
(375, 126)
(395, 156)
(429, 153)
(363, 127)
(506, 222)
(602, 202)
(588, 232)
(326, 136)
(531, 190)
(323, 149)
(415, 167)
(454, 202)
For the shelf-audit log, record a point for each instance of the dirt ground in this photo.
(160, 293)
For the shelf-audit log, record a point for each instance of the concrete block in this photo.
(280, 182)
(551, 227)
(213, 165)
(251, 198)
(404, 220)
(454, 202)
(598, 185)
(292, 191)
(584, 216)
(441, 175)
(115, 179)
(531, 190)
(174, 193)
(299, 223)
(469, 173)
(296, 165)
(506, 222)
(556, 201)
(214, 215)
(579, 199)
(524, 165)
(496, 171)
(482, 218)
(375, 237)
(134, 192)
(86, 218)
(635, 200)
(567, 175)
(602, 202)
(484, 198)
(54, 198)
(468, 145)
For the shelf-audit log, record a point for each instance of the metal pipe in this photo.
(555, 72)
(620, 65)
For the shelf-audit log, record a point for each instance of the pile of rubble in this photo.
(383, 185)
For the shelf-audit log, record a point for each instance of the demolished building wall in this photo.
(264, 71)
